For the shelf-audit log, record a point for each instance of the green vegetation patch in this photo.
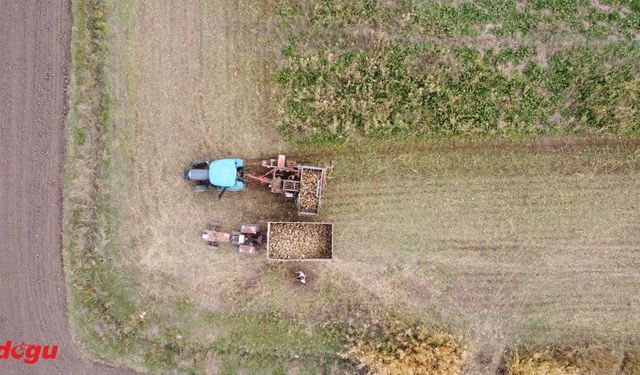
(367, 69)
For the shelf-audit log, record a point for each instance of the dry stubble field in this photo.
(503, 242)
(510, 243)
(199, 91)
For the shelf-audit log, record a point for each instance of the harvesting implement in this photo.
(248, 238)
(303, 183)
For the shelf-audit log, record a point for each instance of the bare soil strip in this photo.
(34, 63)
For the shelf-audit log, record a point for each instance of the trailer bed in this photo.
(309, 198)
(299, 241)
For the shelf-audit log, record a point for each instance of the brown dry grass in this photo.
(593, 359)
(512, 245)
(398, 348)
(199, 90)
(538, 363)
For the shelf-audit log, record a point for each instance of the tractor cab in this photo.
(237, 238)
(223, 174)
(227, 173)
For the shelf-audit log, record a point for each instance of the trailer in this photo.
(299, 241)
(304, 183)
(285, 240)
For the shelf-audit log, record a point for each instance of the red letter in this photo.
(52, 355)
(32, 354)
(18, 351)
(4, 350)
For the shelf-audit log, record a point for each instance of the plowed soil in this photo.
(34, 62)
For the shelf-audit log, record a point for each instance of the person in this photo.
(300, 276)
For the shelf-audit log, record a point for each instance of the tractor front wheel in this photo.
(201, 162)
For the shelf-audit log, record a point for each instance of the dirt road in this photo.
(34, 61)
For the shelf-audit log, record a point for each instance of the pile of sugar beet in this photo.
(308, 186)
(300, 241)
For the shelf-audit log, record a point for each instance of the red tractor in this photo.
(248, 239)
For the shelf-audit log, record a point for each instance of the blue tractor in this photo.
(222, 174)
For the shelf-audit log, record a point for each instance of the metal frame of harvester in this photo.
(285, 177)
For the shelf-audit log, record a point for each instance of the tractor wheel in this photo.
(200, 188)
(212, 247)
(255, 227)
(185, 175)
(200, 162)
(213, 225)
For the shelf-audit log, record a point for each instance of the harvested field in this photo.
(186, 80)
(309, 200)
(506, 245)
(503, 245)
(212, 105)
(299, 241)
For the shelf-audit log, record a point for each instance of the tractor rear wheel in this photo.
(200, 188)
(213, 225)
(251, 228)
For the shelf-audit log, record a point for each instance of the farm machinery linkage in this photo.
(304, 183)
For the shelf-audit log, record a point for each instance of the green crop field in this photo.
(484, 198)
(367, 68)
